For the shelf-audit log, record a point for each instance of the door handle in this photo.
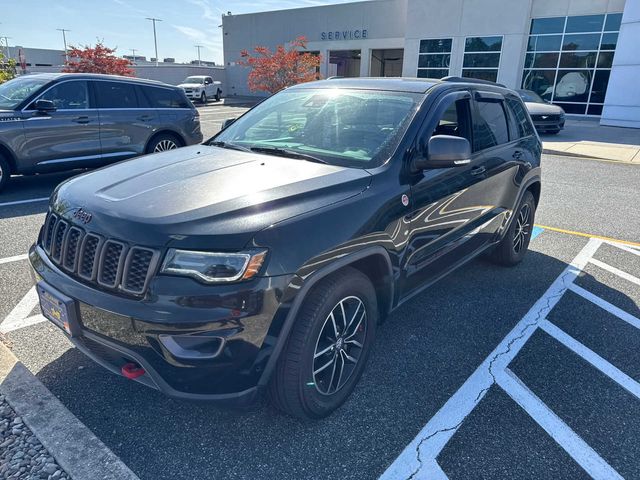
(83, 119)
(517, 154)
(478, 171)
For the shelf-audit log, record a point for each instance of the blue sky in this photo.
(122, 24)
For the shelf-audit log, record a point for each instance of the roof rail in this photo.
(470, 80)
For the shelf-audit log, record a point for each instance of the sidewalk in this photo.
(41, 439)
(585, 137)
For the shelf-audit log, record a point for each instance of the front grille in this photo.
(107, 262)
(546, 118)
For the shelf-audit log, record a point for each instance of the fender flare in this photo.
(309, 282)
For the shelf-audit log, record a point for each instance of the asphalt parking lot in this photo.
(529, 372)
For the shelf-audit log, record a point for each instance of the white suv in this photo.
(201, 88)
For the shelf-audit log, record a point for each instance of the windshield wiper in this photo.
(284, 152)
(231, 146)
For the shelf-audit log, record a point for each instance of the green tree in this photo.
(7, 68)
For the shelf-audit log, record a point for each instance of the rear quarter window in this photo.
(116, 95)
(166, 98)
(520, 116)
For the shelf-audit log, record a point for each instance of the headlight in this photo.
(210, 267)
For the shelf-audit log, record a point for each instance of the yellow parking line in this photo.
(588, 235)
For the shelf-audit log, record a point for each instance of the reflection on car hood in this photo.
(543, 109)
(201, 191)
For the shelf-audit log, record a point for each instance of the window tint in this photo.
(547, 25)
(68, 96)
(489, 126)
(116, 95)
(585, 23)
(455, 121)
(520, 116)
(165, 98)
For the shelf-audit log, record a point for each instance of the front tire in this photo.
(328, 347)
(203, 98)
(512, 248)
(5, 172)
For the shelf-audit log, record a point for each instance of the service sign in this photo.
(344, 34)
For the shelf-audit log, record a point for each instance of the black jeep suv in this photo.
(265, 258)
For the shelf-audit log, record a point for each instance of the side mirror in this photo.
(45, 106)
(227, 122)
(446, 151)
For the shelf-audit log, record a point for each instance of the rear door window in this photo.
(116, 95)
(166, 98)
(490, 125)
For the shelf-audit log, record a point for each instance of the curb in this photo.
(562, 153)
(76, 449)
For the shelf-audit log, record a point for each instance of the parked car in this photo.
(202, 88)
(264, 259)
(546, 117)
(63, 121)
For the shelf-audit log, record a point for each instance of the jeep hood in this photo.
(202, 196)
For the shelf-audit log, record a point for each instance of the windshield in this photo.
(13, 92)
(353, 128)
(529, 96)
(194, 80)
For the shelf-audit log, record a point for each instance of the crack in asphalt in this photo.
(490, 369)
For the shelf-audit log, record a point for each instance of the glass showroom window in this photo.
(482, 57)
(568, 60)
(434, 58)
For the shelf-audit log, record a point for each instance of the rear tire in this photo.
(5, 172)
(302, 384)
(512, 248)
(164, 142)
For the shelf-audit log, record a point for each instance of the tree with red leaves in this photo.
(273, 71)
(98, 59)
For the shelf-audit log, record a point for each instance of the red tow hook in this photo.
(132, 370)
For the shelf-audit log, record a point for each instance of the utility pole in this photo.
(155, 38)
(64, 39)
(198, 47)
(133, 51)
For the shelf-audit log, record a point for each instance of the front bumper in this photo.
(545, 125)
(233, 327)
(193, 94)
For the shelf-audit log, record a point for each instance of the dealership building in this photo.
(581, 54)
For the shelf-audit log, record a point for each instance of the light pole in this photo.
(64, 39)
(198, 47)
(155, 39)
(133, 51)
(6, 45)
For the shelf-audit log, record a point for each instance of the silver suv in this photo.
(51, 122)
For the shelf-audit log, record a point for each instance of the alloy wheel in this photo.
(523, 227)
(164, 145)
(339, 345)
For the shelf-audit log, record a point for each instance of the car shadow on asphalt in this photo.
(423, 353)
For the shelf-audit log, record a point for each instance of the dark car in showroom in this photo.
(547, 118)
(264, 259)
(57, 121)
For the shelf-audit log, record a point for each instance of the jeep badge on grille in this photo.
(82, 215)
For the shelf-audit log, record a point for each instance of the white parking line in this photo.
(616, 271)
(419, 458)
(17, 258)
(19, 202)
(575, 446)
(614, 373)
(18, 317)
